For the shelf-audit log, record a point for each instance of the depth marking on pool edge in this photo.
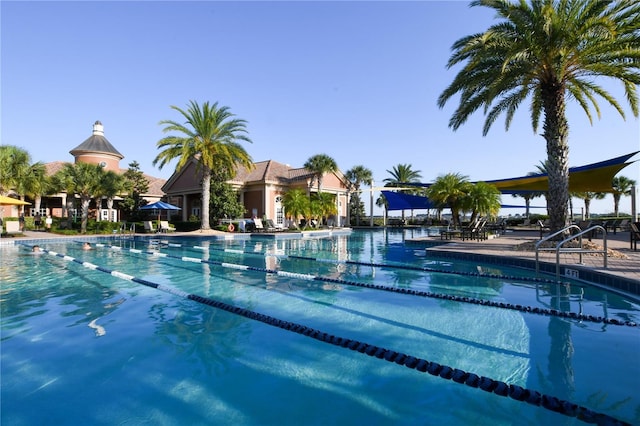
(486, 384)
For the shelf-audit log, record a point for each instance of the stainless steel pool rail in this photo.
(559, 247)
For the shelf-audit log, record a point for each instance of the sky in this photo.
(355, 80)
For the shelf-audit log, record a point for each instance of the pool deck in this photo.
(623, 262)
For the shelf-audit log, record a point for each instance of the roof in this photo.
(270, 171)
(96, 143)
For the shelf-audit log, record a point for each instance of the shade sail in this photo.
(8, 201)
(596, 177)
(400, 201)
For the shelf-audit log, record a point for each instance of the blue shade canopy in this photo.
(160, 205)
(400, 201)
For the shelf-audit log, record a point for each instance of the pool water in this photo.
(82, 346)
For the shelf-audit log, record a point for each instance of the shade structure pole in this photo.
(371, 204)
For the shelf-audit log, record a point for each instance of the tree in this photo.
(18, 174)
(224, 200)
(401, 174)
(14, 167)
(135, 184)
(482, 199)
(84, 180)
(296, 204)
(587, 197)
(356, 176)
(528, 196)
(319, 165)
(622, 185)
(325, 205)
(111, 184)
(210, 136)
(450, 190)
(547, 51)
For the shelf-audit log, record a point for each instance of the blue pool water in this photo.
(82, 346)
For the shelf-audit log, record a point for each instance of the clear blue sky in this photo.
(355, 80)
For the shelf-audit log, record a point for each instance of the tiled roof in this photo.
(96, 143)
(270, 171)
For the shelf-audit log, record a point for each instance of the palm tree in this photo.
(111, 184)
(450, 190)
(210, 136)
(587, 197)
(356, 176)
(401, 174)
(482, 199)
(295, 203)
(84, 180)
(326, 204)
(547, 51)
(622, 185)
(14, 167)
(319, 165)
(528, 195)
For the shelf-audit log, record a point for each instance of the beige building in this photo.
(260, 190)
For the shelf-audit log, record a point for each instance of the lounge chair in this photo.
(271, 227)
(149, 227)
(257, 223)
(166, 227)
(544, 227)
(475, 231)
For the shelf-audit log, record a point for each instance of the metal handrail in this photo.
(558, 248)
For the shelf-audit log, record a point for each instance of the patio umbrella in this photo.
(8, 201)
(160, 205)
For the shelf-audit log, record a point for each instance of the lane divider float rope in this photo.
(473, 380)
(411, 292)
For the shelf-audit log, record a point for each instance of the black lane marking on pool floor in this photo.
(486, 384)
(420, 293)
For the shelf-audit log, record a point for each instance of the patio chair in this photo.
(257, 223)
(149, 226)
(544, 227)
(475, 231)
(634, 235)
(166, 227)
(271, 227)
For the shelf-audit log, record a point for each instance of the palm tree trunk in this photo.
(206, 197)
(85, 214)
(556, 131)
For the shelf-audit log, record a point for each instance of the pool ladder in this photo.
(559, 248)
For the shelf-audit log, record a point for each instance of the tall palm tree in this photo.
(111, 185)
(210, 136)
(401, 174)
(547, 51)
(319, 165)
(587, 197)
(450, 190)
(622, 185)
(357, 175)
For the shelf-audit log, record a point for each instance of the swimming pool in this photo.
(302, 331)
